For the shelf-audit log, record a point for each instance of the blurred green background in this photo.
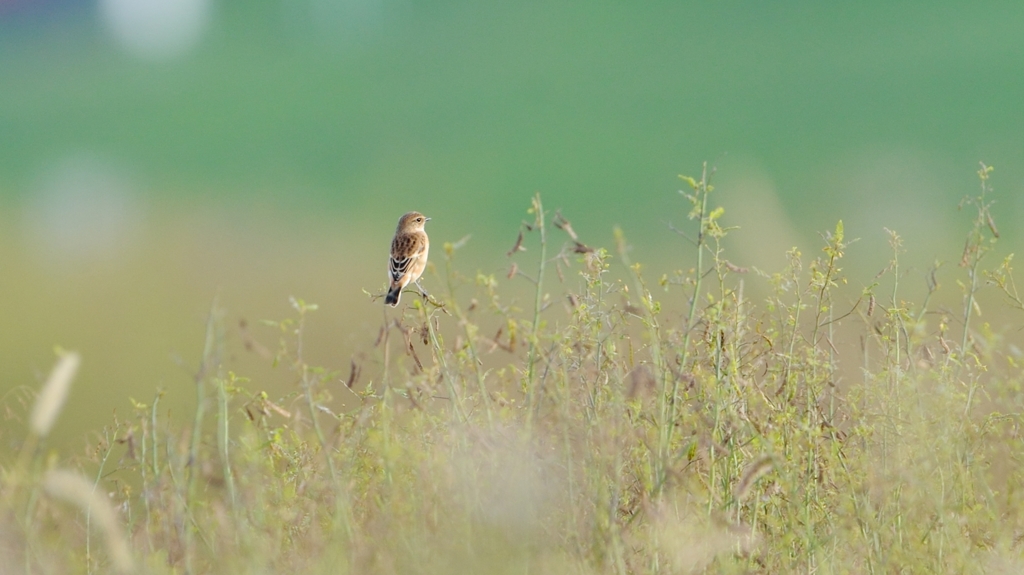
(156, 154)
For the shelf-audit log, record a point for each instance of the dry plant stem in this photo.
(149, 444)
(88, 513)
(972, 289)
(592, 404)
(154, 447)
(797, 307)
(702, 191)
(307, 385)
(471, 335)
(824, 295)
(614, 525)
(223, 439)
(898, 327)
(933, 286)
(817, 383)
(308, 382)
(386, 376)
(832, 361)
(438, 351)
(30, 511)
(155, 435)
(188, 527)
(470, 331)
(896, 312)
(13, 477)
(144, 473)
(210, 363)
(974, 252)
(720, 392)
(386, 416)
(531, 362)
(669, 405)
(660, 473)
(901, 313)
(342, 513)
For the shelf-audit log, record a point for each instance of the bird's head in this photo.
(412, 222)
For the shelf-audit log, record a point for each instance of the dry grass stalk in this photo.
(757, 469)
(54, 393)
(75, 489)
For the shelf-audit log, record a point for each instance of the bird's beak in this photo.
(428, 219)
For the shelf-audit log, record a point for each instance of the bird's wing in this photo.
(405, 249)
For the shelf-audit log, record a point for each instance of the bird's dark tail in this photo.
(393, 294)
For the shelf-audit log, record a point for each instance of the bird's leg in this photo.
(423, 292)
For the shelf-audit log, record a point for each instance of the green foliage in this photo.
(594, 433)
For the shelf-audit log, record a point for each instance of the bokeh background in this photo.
(158, 154)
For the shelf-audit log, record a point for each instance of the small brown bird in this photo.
(408, 255)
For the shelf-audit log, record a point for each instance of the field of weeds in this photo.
(586, 431)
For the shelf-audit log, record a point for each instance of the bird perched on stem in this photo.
(408, 256)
